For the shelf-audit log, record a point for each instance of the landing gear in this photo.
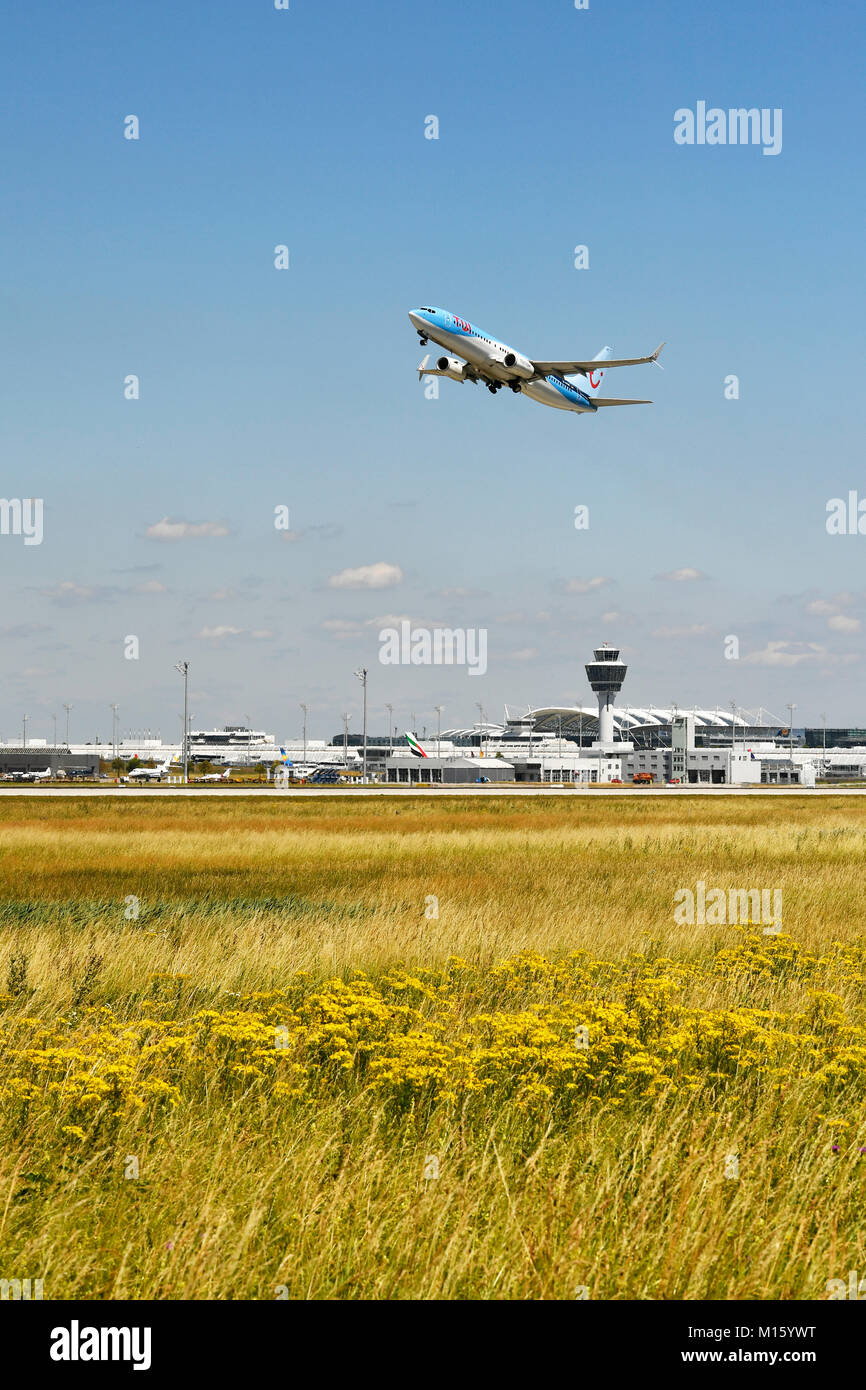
(423, 339)
(515, 386)
(492, 387)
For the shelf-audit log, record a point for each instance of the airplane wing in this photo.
(609, 401)
(544, 367)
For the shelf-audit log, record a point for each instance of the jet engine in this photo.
(518, 364)
(451, 366)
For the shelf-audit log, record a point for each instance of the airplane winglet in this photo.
(655, 357)
(423, 366)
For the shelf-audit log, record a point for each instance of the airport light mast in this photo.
(183, 668)
(361, 673)
(390, 709)
(67, 708)
(606, 674)
(304, 708)
(438, 709)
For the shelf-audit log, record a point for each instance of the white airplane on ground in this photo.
(498, 365)
(215, 776)
(35, 776)
(150, 774)
(297, 772)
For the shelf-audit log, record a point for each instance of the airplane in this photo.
(296, 772)
(31, 776)
(304, 772)
(215, 776)
(498, 365)
(150, 774)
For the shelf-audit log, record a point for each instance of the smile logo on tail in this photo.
(595, 384)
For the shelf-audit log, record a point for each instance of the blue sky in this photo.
(258, 387)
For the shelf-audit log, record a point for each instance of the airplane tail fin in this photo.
(590, 384)
(414, 745)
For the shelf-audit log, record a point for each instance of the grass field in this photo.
(418, 1049)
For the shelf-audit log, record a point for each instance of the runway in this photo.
(551, 790)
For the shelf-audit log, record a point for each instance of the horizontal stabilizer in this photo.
(610, 401)
(545, 367)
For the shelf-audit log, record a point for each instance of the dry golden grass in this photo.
(237, 1198)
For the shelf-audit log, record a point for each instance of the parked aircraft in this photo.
(150, 774)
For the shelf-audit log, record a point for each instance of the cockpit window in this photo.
(425, 310)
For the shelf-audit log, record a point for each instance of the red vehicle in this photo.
(642, 779)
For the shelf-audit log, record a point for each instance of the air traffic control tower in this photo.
(606, 675)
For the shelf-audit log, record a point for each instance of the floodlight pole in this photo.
(791, 709)
(183, 668)
(390, 709)
(26, 717)
(67, 708)
(361, 673)
(438, 709)
(304, 708)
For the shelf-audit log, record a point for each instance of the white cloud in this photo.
(216, 634)
(68, 592)
(785, 654)
(682, 576)
(820, 606)
(166, 530)
(585, 586)
(840, 623)
(378, 576)
(151, 586)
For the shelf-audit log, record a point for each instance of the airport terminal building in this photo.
(565, 744)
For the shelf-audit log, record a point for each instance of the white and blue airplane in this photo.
(572, 385)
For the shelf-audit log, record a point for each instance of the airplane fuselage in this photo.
(497, 361)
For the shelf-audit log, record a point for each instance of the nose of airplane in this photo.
(416, 319)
